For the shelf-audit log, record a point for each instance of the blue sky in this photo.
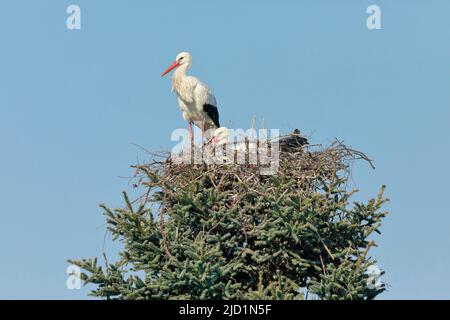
(73, 102)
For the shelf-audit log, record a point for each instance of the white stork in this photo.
(196, 100)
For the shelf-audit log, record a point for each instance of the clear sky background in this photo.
(73, 102)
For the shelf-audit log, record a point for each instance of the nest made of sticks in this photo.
(309, 165)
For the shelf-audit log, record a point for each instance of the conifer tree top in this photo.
(227, 232)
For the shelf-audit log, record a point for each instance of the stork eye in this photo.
(180, 58)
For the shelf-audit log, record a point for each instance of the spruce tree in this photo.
(227, 232)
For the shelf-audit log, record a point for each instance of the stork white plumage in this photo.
(196, 100)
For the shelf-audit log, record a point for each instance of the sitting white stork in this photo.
(196, 100)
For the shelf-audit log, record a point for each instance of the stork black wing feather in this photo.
(213, 113)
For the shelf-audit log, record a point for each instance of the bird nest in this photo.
(290, 157)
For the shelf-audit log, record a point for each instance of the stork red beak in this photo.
(172, 66)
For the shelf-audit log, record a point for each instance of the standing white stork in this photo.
(196, 100)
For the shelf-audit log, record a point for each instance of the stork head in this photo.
(182, 59)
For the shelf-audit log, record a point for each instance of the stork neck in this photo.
(180, 72)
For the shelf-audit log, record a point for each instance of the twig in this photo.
(161, 229)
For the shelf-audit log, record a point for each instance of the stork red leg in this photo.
(191, 133)
(203, 129)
